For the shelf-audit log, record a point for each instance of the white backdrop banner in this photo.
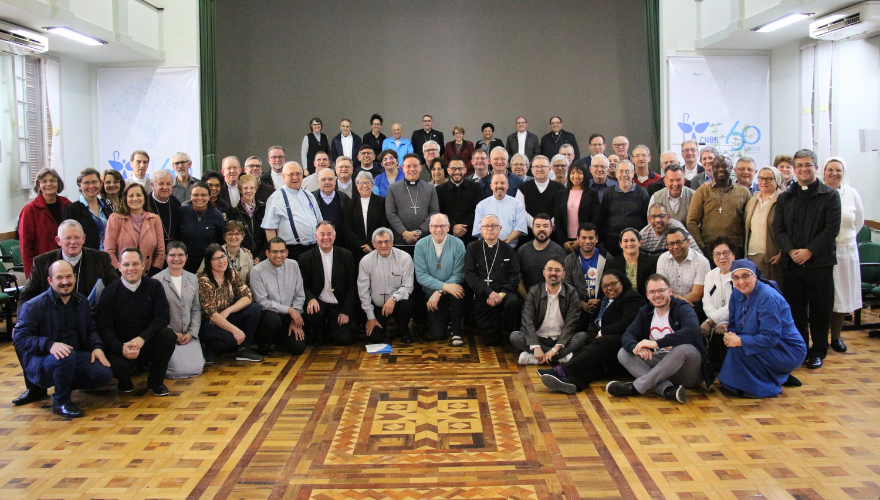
(154, 109)
(722, 101)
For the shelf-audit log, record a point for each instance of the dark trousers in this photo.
(449, 309)
(594, 361)
(327, 318)
(27, 383)
(402, 313)
(810, 294)
(156, 352)
(496, 323)
(294, 251)
(417, 297)
(275, 328)
(71, 373)
(215, 339)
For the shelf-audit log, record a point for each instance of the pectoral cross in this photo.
(438, 265)
(488, 281)
(415, 209)
(720, 209)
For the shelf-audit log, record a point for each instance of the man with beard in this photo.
(533, 256)
(717, 208)
(458, 198)
(183, 182)
(276, 159)
(583, 269)
(654, 234)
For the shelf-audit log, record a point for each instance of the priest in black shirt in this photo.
(539, 194)
(553, 140)
(458, 199)
(492, 272)
(420, 137)
(332, 201)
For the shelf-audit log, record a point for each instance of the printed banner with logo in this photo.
(722, 101)
(153, 109)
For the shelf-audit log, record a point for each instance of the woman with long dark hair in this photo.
(134, 226)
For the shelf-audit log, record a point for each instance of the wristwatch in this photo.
(418, 233)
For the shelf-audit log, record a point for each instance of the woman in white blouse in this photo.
(760, 245)
(717, 287)
(847, 277)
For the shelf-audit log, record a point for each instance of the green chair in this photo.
(8, 296)
(864, 235)
(17, 263)
(6, 249)
(869, 267)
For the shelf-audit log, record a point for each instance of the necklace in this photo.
(489, 279)
(558, 135)
(414, 206)
(199, 215)
(724, 198)
(167, 232)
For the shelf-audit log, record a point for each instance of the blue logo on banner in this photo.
(741, 139)
(692, 128)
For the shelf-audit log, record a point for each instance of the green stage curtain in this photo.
(208, 83)
(652, 18)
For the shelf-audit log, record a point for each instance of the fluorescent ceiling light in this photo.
(781, 23)
(75, 35)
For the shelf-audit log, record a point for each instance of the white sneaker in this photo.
(566, 358)
(526, 358)
(457, 341)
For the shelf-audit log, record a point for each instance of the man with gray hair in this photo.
(430, 152)
(181, 163)
(292, 213)
(384, 284)
(675, 197)
(346, 142)
(644, 176)
(231, 169)
(707, 155)
(498, 159)
(745, 174)
(89, 265)
(689, 150)
(164, 204)
(439, 269)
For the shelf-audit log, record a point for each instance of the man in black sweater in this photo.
(806, 225)
(332, 201)
(133, 316)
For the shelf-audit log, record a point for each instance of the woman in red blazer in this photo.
(459, 147)
(133, 226)
(39, 219)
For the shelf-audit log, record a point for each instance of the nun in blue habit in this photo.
(764, 346)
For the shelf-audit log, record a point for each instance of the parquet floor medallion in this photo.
(439, 355)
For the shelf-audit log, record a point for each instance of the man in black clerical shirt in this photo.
(331, 200)
(553, 140)
(492, 271)
(427, 133)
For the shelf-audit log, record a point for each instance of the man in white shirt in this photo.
(322, 161)
(292, 201)
(276, 159)
(550, 320)
(140, 163)
(231, 169)
(522, 141)
(686, 270)
(510, 211)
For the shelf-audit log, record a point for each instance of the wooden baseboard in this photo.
(7, 236)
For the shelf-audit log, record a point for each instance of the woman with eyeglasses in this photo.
(313, 142)
(238, 259)
(763, 345)
(847, 274)
(716, 294)
(111, 188)
(39, 219)
(182, 291)
(393, 173)
(250, 212)
(214, 180)
(438, 171)
(229, 314)
(364, 214)
(785, 165)
(760, 240)
(201, 224)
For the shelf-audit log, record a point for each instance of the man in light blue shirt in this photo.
(298, 204)
(510, 211)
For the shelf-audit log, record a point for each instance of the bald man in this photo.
(292, 213)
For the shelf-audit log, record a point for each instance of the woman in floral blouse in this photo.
(229, 314)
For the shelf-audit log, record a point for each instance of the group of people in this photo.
(593, 265)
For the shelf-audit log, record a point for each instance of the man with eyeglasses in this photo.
(265, 187)
(498, 158)
(551, 320)
(685, 270)
(654, 234)
(343, 168)
(522, 141)
(430, 152)
(374, 137)
(384, 285)
(367, 162)
(183, 181)
(89, 266)
(597, 147)
(292, 213)
(806, 225)
(620, 144)
(663, 348)
(692, 167)
(675, 196)
(458, 199)
(510, 211)
(439, 269)
(718, 208)
(276, 158)
(321, 161)
(745, 174)
(644, 176)
(492, 272)
(277, 285)
(427, 133)
(480, 164)
(164, 204)
(231, 169)
(331, 200)
(539, 194)
(599, 167)
(553, 140)
(625, 205)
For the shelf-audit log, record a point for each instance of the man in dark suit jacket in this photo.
(331, 201)
(358, 237)
(329, 303)
(427, 133)
(336, 147)
(88, 265)
(231, 169)
(553, 140)
(265, 186)
(532, 145)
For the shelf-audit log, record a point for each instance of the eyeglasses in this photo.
(658, 216)
(457, 169)
(180, 163)
(741, 277)
(608, 286)
(438, 226)
(365, 183)
(278, 252)
(234, 235)
(277, 157)
(176, 255)
(679, 243)
(382, 243)
(222, 257)
(50, 180)
(766, 179)
(659, 291)
(90, 183)
(689, 150)
(490, 226)
(725, 254)
(640, 156)
(804, 165)
(389, 159)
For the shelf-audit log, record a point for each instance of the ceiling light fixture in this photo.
(75, 35)
(781, 22)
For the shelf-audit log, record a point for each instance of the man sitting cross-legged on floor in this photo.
(549, 320)
(618, 309)
(58, 342)
(663, 347)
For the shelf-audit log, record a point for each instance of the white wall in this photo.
(785, 91)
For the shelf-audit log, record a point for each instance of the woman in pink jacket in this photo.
(133, 226)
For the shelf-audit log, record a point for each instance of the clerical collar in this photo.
(157, 200)
(490, 245)
(457, 183)
(411, 183)
(73, 261)
(132, 287)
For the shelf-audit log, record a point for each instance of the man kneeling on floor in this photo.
(663, 348)
(58, 342)
(549, 320)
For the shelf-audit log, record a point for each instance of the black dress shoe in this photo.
(67, 410)
(814, 362)
(29, 396)
(838, 345)
(159, 390)
(792, 382)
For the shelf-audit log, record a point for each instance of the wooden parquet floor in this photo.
(439, 422)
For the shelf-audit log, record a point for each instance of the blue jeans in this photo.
(72, 373)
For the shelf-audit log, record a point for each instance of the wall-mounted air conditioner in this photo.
(21, 41)
(859, 21)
